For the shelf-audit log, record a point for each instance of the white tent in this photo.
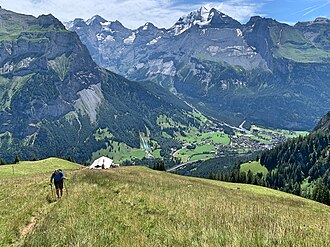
(102, 163)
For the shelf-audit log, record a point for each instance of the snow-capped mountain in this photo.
(229, 70)
(204, 18)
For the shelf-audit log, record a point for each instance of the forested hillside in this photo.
(300, 166)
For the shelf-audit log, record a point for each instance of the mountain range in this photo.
(55, 101)
(264, 71)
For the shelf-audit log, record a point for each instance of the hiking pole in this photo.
(65, 188)
(51, 188)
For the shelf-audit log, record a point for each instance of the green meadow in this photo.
(136, 206)
(24, 168)
(254, 166)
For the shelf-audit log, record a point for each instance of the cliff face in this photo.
(324, 123)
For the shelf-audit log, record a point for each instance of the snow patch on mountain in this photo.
(239, 32)
(200, 17)
(154, 41)
(103, 37)
(106, 23)
(130, 39)
(145, 27)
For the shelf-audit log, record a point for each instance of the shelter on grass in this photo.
(103, 163)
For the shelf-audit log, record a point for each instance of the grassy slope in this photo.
(25, 193)
(134, 206)
(35, 167)
(254, 166)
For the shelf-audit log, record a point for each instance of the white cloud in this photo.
(132, 13)
(315, 8)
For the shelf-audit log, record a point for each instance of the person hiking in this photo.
(58, 176)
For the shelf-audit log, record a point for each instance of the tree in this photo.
(320, 192)
(296, 189)
(249, 177)
(160, 166)
(17, 159)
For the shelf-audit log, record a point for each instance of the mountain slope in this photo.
(54, 99)
(296, 165)
(133, 205)
(264, 71)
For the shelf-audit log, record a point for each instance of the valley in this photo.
(204, 139)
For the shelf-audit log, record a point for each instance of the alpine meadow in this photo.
(135, 206)
(214, 131)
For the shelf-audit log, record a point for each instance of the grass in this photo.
(25, 192)
(135, 206)
(34, 167)
(255, 167)
(156, 153)
(200, 152)
(286, 133)
(197, 137)
(291, 44)
(61, 65)
(119, 152)
(11, 86)
(201, 157)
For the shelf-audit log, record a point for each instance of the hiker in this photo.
(58, 176)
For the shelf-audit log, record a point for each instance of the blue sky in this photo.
(164, 13)
(291, 11)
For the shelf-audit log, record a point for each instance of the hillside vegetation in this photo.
(135, 206)
(33, 167)
(299, 164)
(254, 166)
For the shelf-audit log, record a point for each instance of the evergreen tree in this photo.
(320, 192)
(17, 159)
(296, 189)
(159, 166)
(249, 177)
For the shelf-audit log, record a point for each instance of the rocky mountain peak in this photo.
(95, 20)
(258, 20)
(148, 26)
(115, 25)
(49, 21)
(322, 20)
(204, 18)
(218, 19)
(318, 22)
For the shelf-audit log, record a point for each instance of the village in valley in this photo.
(204, 139)
(214, 140)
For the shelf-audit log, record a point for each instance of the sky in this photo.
(164, 13)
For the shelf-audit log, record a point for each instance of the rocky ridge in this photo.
(263, 71)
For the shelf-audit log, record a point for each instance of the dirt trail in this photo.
(39, 215)
(29, 227)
